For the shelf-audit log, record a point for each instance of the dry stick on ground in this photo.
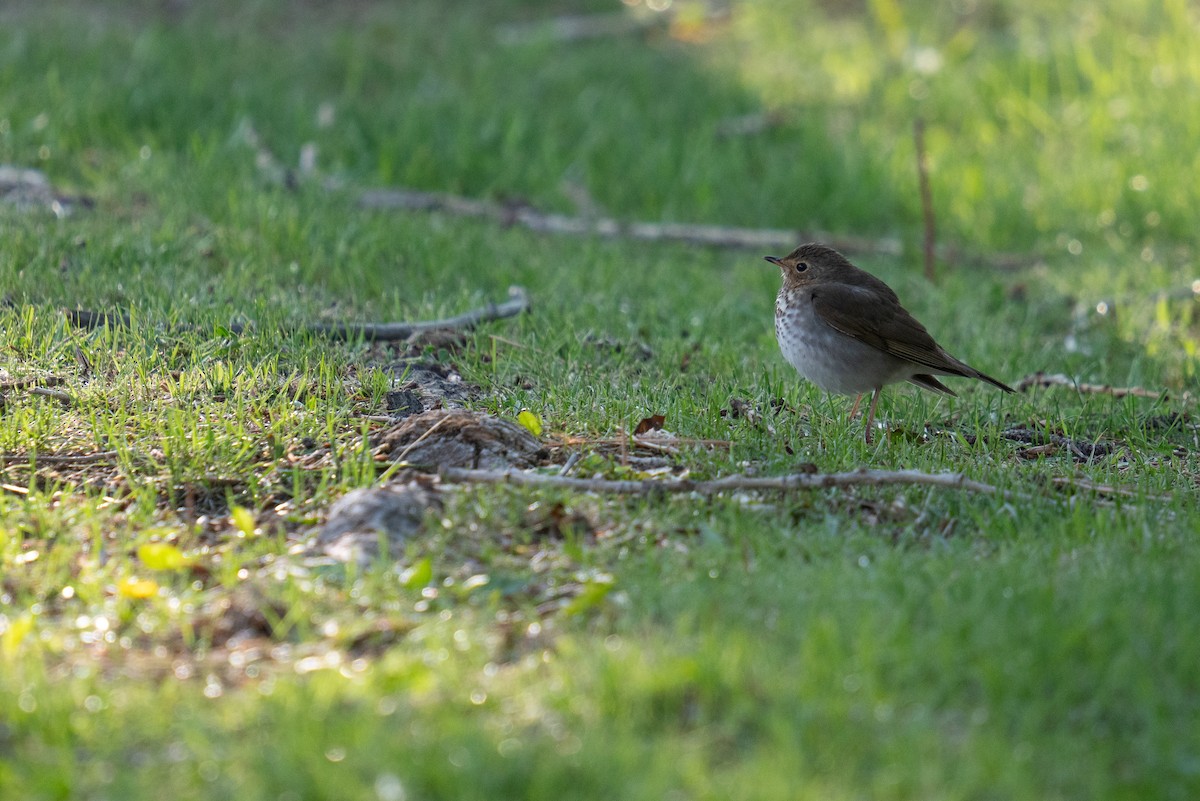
(58, 395)
(609, 228)
(25, 383)
(50, 458)
(1040, 379)
(542, 222)
(795, 481)
(526, 216)
(669, 445)
(1105, 489)
(926, 196)
(518, 302)
(32, 384)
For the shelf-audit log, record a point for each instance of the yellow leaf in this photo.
(531, 421)
(243, 520)
(418, 575)
(16, 632)
(134, 587)
(162, 556)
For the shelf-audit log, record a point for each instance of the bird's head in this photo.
(809, 264)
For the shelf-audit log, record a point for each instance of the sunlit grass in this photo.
(163, 630)
(1049, 124)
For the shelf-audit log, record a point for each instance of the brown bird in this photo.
(844, 330)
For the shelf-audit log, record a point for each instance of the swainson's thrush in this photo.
(844, 330)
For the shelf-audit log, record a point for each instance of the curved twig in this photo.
(724, 236)
(518, 302)
(1041, 379)
(794, 481)
(57, 459)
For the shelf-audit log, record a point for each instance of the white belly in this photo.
(830, 359)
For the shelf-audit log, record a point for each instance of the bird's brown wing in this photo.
(887, 326)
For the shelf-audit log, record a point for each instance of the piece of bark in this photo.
(458, 438)
(365, 522)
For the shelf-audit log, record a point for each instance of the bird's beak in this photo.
(774, 260)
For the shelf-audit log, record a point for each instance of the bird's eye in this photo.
(801, 266)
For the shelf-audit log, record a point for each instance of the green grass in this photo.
(885, 643)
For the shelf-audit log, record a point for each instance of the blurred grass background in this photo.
(1048, 122)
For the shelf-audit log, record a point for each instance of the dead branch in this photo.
(38, 386)
(525, 215)
(25, 383)
(56, 459)
(1079, 483)
(720, 236)
(1040, 379)
(926, 197)
(62, 397)
(795, 481)
(518, 302)
(609, 228)
(649, 442)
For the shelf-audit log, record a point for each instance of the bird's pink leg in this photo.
(854, 408)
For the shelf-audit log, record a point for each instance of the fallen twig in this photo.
(569, 465)
(518, 302)
(38, 386)
(1105, 489)
(529, 217)
(606, 227)
(795, 481)
(639, 440)
(1046, 443)
(55, 459)
(1040, 379)
(543, 222)
(62, 397)
(24, 383)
